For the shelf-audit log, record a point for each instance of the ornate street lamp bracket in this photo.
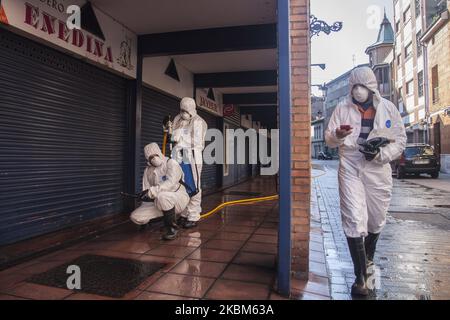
(317, 26)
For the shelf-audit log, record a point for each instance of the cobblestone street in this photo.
(413, 254)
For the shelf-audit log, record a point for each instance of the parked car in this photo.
(324, 156)
(417, 159)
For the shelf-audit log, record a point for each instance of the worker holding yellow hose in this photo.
(189, 132)
(168, 130)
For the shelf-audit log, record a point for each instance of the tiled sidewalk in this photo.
(412, 257)
(230, 255)
(317, 287)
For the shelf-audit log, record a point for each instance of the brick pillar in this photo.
(301, 136)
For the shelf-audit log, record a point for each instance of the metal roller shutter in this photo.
(241, 170)
(62, 140)
(209, 172)
(155, 107)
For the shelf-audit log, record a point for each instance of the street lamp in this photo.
(322, 66)
(317, 26)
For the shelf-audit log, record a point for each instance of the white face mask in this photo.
(361, 94)
(156, 162)
(185, 115)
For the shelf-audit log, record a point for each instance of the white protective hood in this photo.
(151, 150)
(366, 77)
(188, 104)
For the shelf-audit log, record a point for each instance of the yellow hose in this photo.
(164, 144)
(238, 202)
(248, 201)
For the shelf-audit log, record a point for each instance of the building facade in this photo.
(317, 137)
(317, 107)
(381, 58)
(79, 105)
(336, 91)
(409, 68)
(436, 40)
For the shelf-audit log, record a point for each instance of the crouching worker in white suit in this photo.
(162, 180)
(365, 181)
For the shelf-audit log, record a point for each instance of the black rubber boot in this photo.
(169, 224)
(190, 224)
(370, 243)
(358, 253)
(181, 221)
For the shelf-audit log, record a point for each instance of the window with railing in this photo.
(408, 51)
(410, 88)
(417, 8)
(420, 84)
(419, 43)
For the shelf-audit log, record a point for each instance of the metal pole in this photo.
(134, 112)
(284, 99)
(425, 78)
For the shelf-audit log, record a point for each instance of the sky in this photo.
(342, 50)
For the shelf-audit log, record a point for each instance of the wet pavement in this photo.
(413, 255)
(231, 255)
(443, 183)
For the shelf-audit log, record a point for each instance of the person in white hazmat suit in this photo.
(365, 181)
(189, 131)
(162, 178)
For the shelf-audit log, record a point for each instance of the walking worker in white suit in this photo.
(365, 179)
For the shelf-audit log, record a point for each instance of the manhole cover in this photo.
(243, 193)
(106, 276)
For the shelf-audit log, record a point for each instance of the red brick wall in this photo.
(301, 136)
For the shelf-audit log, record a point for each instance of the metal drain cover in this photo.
(106, 276)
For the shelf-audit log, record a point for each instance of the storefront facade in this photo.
(78, 106)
